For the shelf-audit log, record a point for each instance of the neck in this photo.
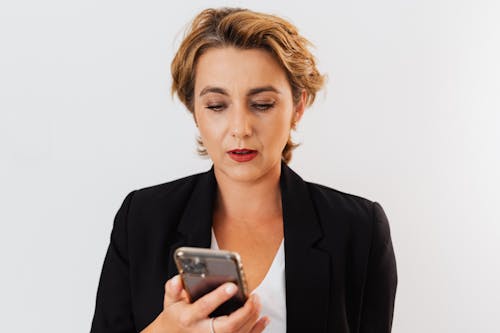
(249, 202)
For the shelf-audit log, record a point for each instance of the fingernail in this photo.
(255, 299)
(230, 289)
(266, 321)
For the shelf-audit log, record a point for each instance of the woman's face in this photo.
(243, 108)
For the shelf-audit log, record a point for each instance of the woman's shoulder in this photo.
(334, 196)
(173, 189)
(344, 214)
(341, 206)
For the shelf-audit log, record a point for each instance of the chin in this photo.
(245, 172)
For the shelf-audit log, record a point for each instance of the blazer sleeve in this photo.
(113, 310)
(381, 280)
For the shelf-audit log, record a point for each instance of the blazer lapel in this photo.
(307, 268)
(194, 228)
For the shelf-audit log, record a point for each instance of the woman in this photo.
(316, 259)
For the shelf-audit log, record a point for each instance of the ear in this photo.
(300, 107)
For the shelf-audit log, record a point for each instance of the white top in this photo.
(271, 291)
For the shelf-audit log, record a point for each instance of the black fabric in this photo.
(339, 261)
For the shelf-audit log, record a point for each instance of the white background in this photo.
(409, 118)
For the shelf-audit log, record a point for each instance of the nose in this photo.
(241, 123)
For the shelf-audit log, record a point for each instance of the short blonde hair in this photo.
(246, 29)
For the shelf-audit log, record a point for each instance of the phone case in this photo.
(203, 270)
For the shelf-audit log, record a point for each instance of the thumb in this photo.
(173, 291)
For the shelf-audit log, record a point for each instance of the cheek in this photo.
(210, 129)
(278, 132)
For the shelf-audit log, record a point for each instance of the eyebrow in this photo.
(222, 91)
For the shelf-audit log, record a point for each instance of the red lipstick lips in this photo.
(242, 155)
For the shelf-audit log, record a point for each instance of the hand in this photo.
(180, 316)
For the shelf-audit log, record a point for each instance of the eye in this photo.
(216, 107)
(262, 106)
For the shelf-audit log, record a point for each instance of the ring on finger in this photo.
(212, 329)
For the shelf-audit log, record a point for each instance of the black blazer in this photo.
(339, 261)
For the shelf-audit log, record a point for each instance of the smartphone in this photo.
(203, 270)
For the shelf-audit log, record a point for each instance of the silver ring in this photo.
(212, 329)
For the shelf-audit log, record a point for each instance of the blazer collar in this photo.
(196, 221)
(307, 268)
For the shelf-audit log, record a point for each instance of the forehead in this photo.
(236, 69)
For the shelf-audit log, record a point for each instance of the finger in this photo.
(244, 318)
(211, 301)
(184, 295)
(249, 314)
(260, 325)
(173, 291)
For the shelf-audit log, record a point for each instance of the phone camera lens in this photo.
(187, 265)
(194, 266)
(199, 267)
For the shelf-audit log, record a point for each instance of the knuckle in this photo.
(252, 311)
(255, 317)
(251, 308)
(246, 312)
(256, 309)
(204, 304)
(252, 317)
(185, 319)
(231, 326)
(166, 287)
